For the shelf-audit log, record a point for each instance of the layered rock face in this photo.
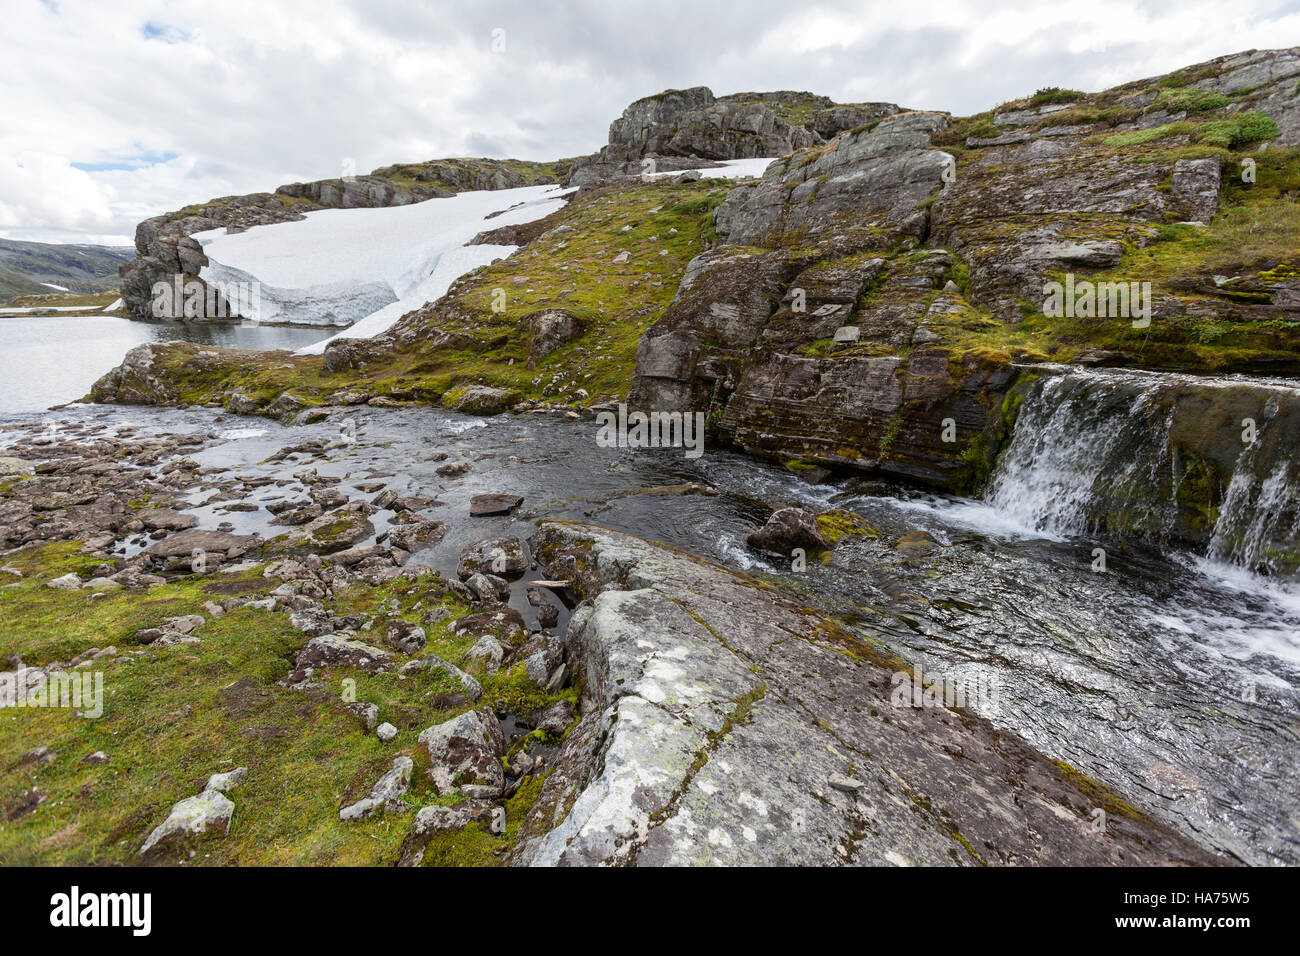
(847, 317)
(695, 124)
(1263, 80)
(701, 744)
(164, 248)
(814, 258)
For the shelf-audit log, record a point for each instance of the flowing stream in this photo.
(1173, 675)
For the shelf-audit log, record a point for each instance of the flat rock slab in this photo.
(493, 504)
(156, 519)
(721, 721)
(187, 542)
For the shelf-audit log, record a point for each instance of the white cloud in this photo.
(192, 100)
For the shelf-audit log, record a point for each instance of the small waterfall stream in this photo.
(1203, 463)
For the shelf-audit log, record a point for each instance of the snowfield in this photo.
(367, 266)
(733, 169)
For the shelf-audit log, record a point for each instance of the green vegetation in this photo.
(1239, 129)
(837, 524)
(1140, 137)
(1054, 94)
(172, 716)
(659, 226)
(1180, 99)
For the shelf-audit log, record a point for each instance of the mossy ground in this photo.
(90, 301)
(173, 716)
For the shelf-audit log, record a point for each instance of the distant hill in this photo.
(24, 266)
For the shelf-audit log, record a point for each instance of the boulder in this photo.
(415, 537)
(485, 400)
(432, 821)
(386, 795)
(465, 750)
(502, 555)
(549, 330)
(786, 530)
(186, 543)
(207, 814)
(335, 650)
(493, 504)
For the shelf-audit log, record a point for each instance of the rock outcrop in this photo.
(693, 124)
(724, 724)
(856, 314)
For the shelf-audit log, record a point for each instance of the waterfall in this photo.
(1161, 456)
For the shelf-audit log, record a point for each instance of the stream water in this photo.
(1173, 677)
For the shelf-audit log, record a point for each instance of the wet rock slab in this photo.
(720, 722)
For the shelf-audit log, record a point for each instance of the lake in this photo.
(47, 360)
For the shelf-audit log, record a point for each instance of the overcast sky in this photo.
(116, 111)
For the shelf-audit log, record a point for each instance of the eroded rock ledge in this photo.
(724, 723)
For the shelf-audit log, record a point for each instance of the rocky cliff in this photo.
(677, 129)
(872, 292)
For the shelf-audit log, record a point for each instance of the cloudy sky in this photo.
(116, 111)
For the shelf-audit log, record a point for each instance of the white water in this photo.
(1093, 445)
(1072, 447)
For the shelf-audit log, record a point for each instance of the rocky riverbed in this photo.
(401, 550)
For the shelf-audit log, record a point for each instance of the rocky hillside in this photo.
(407, 643)
(873, 302)
(316, 694)
(678, 128)
(27, 267)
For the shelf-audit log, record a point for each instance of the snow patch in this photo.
(731, 169)
(365, 268)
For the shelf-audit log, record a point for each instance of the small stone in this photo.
(493, 504)
(846, 784)
(385, 732)
(222, 782)
(453, 469)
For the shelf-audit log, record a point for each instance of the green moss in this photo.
(172, 716)
(1238, 130)
(1139, 137)
(1100, 795)
(837, 524)
(1189, 99)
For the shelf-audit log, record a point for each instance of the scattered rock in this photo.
(386, 795)
(787, 529)
(454, 468)
(465, 749)
(502, 555)
(493, 504)
(207, 814)
(431, 821)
